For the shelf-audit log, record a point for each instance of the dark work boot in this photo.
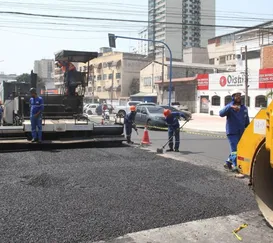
(169, 150)
(176, 150)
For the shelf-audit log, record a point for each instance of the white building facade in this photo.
(143, 45)
(190, 14)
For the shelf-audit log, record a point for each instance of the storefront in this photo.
(214, 90)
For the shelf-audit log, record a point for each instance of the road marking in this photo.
(212, 230)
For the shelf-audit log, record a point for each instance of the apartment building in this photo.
(112, 73)
(186, 17)
(45, 70)
(229, 49)
(143, 45)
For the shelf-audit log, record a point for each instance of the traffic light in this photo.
(112, 40)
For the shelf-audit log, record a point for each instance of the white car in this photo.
(91, 109)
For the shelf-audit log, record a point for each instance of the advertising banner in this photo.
(266, 78)
(232, 80)
(203, 81)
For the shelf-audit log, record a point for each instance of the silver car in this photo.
(152, 116)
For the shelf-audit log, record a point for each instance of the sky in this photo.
(28, 38)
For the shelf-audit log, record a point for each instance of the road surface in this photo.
(99, 194)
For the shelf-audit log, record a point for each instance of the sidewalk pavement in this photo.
(204, 123)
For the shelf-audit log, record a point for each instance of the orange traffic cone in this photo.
(145, 138)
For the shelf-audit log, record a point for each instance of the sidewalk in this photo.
(205, 123)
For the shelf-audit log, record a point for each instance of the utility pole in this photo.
(153, 67)
(246, 78)
(162, 78)
(112, 86)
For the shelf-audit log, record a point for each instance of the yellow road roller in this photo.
(255, 159)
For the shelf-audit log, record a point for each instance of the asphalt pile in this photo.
(92, 194)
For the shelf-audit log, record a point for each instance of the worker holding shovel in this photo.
(129, 122)
(172, 119)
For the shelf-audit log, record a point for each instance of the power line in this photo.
(118, 20)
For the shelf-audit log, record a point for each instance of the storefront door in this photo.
(204, 104)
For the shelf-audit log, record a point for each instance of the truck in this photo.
(63, 119)
(122, 110)
(255, 159)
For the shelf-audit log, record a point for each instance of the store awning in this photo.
(142, 94)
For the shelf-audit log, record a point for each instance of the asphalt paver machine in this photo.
(63, 119)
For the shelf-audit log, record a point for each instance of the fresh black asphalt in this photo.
(91, 194)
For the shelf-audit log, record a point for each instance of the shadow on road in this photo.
(190, 152)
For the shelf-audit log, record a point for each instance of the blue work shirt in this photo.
(237, 121)
(1, 111)
(36, 105)
(129, 118)
(173, 120)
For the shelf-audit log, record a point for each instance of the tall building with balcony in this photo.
(179, 24)
(112, 74)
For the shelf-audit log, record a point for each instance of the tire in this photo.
(89, 112)
(149, 125)
(122, 114)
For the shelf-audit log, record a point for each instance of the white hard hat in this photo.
(236, 91)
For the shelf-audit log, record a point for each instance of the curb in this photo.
(204, 132)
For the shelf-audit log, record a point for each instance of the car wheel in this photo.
(122, 113)
(89, 112)
(149, 125)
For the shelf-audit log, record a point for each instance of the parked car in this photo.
(91, 109)
(150, 116)
(122, 110)
(147, 104)
(99, 109)
(186, 113)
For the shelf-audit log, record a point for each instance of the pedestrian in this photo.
(1, 113)
(237, 119)
(36, 108)
(129, 122)
(172, 120)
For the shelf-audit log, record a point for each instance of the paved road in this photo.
(204, 149)
(92, 194)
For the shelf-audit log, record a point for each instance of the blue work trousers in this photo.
(233, 140)
(36, 124)
(176, 134)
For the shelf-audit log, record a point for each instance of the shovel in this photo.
(160, 150)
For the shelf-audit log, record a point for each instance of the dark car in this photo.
(187, 114)
(152, 116)
(99, 109)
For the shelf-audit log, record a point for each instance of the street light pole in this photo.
(111, 36)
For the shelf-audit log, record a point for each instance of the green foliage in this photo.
(134, 87)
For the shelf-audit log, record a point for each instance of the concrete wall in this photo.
(196, 55)
(266, 56)
(185, 93)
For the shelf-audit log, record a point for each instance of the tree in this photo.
(23, 78)
(134, 87)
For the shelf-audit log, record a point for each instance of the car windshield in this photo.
(155, 109)
(170, 107)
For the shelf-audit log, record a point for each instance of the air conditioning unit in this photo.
(239, 56)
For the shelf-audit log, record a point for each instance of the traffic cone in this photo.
(145, 138)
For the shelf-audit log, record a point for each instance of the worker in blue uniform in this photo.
(237, 119)
(36, 108)
(172, 120)
(129, 122)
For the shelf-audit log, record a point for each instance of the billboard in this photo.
(203, 81)
(266, 78)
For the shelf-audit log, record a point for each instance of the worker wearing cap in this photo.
(36, 108)
(172, 120)
(129, 122)
(237, 121)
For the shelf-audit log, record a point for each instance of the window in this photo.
(228, 99)
(215, 100)
(243, 100)
(110, 76)
(260, 101)
(104, 76)
(117, 75)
